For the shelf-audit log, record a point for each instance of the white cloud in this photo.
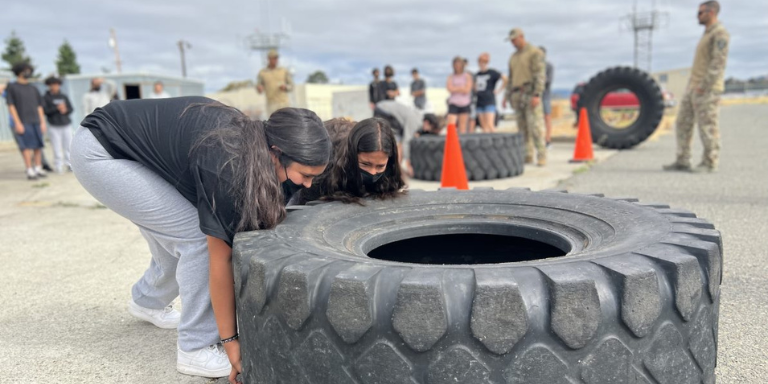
(346, 38)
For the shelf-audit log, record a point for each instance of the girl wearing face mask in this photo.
(190, 173)
(363, 165)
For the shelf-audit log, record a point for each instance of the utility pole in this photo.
(643, 24)
(182, 45)
(113, 44)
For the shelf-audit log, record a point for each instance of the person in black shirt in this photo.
(191, 173)
(58, 108)
(369, 150)
(26, 108)
(486, 90)
(376, 92)
(418, 90)
(389, 86)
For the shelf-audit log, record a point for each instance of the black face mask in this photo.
(96, 88)
(26, 74)
(289, 187)
(370, 179)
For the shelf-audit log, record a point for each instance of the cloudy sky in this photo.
(346, 38)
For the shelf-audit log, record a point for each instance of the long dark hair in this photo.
(342, 180)
(296, 134)
(338, 129)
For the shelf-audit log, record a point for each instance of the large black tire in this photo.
(635, 300)
(486, 156)
(648, 94)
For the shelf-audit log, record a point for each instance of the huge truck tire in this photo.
(481, 286)
(487, 156)
(648, 94)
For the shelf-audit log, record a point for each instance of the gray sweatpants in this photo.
(168, 222)
(61, 139)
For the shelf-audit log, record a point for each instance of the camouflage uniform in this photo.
(702, 98)
(271, 79)
(527, 75)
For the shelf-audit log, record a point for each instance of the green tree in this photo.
(235, 85)
(318, 77)
(14, 51)
(66, 63)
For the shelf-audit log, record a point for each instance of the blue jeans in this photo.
(486, 109)
(32, 138)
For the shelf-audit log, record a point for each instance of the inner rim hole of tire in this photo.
(468, 248)
(619, 108)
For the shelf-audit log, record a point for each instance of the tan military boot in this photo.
(528, 159)
(705, 168)
(679, 167)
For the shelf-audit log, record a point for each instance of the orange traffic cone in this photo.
(583, 151)
(454, 174)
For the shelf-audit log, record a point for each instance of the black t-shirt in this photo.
(485, 84)
(376, 92)
(160, 134)
(26, 98)
(388, 86)
(50, 107)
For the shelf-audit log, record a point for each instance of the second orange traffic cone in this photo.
(454, 174)
(583, 151)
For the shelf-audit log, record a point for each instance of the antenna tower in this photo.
(643, 24)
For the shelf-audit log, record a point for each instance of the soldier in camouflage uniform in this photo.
(276, 82)
(527, 75)
(702, 97)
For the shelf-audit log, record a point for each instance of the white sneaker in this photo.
(207, 362)
(166, 318)
(40, 172)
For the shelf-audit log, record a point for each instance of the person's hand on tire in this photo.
(535, 101)
(233, 353)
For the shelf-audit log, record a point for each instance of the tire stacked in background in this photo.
(487, 156)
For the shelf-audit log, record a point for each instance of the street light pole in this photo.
(113, 44)
(182, 45)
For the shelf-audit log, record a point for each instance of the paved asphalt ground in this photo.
(67, 264)
(736, 200)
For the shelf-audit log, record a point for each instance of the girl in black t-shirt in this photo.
(190, 173)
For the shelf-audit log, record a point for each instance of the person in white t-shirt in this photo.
(159, 92)
(101, 93)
